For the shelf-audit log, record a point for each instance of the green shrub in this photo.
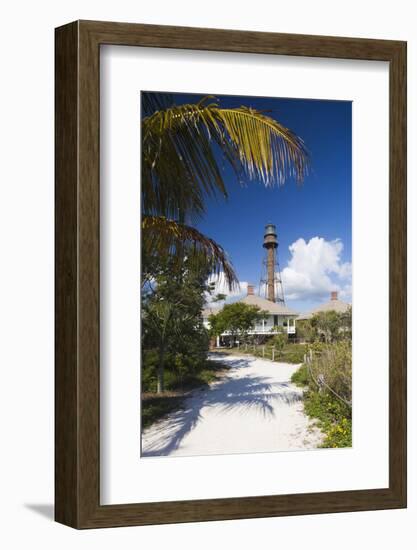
(301, 376)
(290, 353)
(317, 347)
(157, 407)
(148, 370)
(294, 353)
(339, 434)
(278, 342)
(334, 418)
(327, 408)
(329, 326)
(333, 364)
(182, 372)
(305, 332)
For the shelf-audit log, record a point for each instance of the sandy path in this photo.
(255, 408)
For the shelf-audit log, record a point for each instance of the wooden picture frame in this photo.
(77, 382)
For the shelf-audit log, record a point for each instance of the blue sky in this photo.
(314, 219)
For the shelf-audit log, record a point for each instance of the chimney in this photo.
(333, 295)
(251, 290)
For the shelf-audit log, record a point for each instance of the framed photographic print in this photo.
(230, 274)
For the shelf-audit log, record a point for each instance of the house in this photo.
(334, 304)
(278, 318)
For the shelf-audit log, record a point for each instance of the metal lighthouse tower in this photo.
(271, 282)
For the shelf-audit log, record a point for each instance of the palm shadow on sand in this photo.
(245, 394)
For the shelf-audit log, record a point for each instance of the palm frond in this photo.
(162, 237)
(155, 101)
(180, 166)
(266, 149)
(178, 163)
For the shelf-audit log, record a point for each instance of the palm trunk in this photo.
(160, 380)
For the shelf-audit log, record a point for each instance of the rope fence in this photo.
(320, 381)
(267, 352)
(271, 353)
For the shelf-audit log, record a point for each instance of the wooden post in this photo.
(273, 354)
(263, 351)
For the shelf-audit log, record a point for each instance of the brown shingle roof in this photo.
(332, 305)
(207, 311)
(252, 300)
(271, 307)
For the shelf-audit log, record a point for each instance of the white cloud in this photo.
(315, 269)
(346, 293)
(221, 287)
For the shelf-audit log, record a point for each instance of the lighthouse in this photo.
(271, 282)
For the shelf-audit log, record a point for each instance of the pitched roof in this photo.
(252, 300)
(271, 307)
(332, 305)
(209, 311)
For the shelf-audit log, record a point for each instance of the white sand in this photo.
(254, 408)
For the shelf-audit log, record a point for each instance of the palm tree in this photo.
(162, 237)
(180, 167)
